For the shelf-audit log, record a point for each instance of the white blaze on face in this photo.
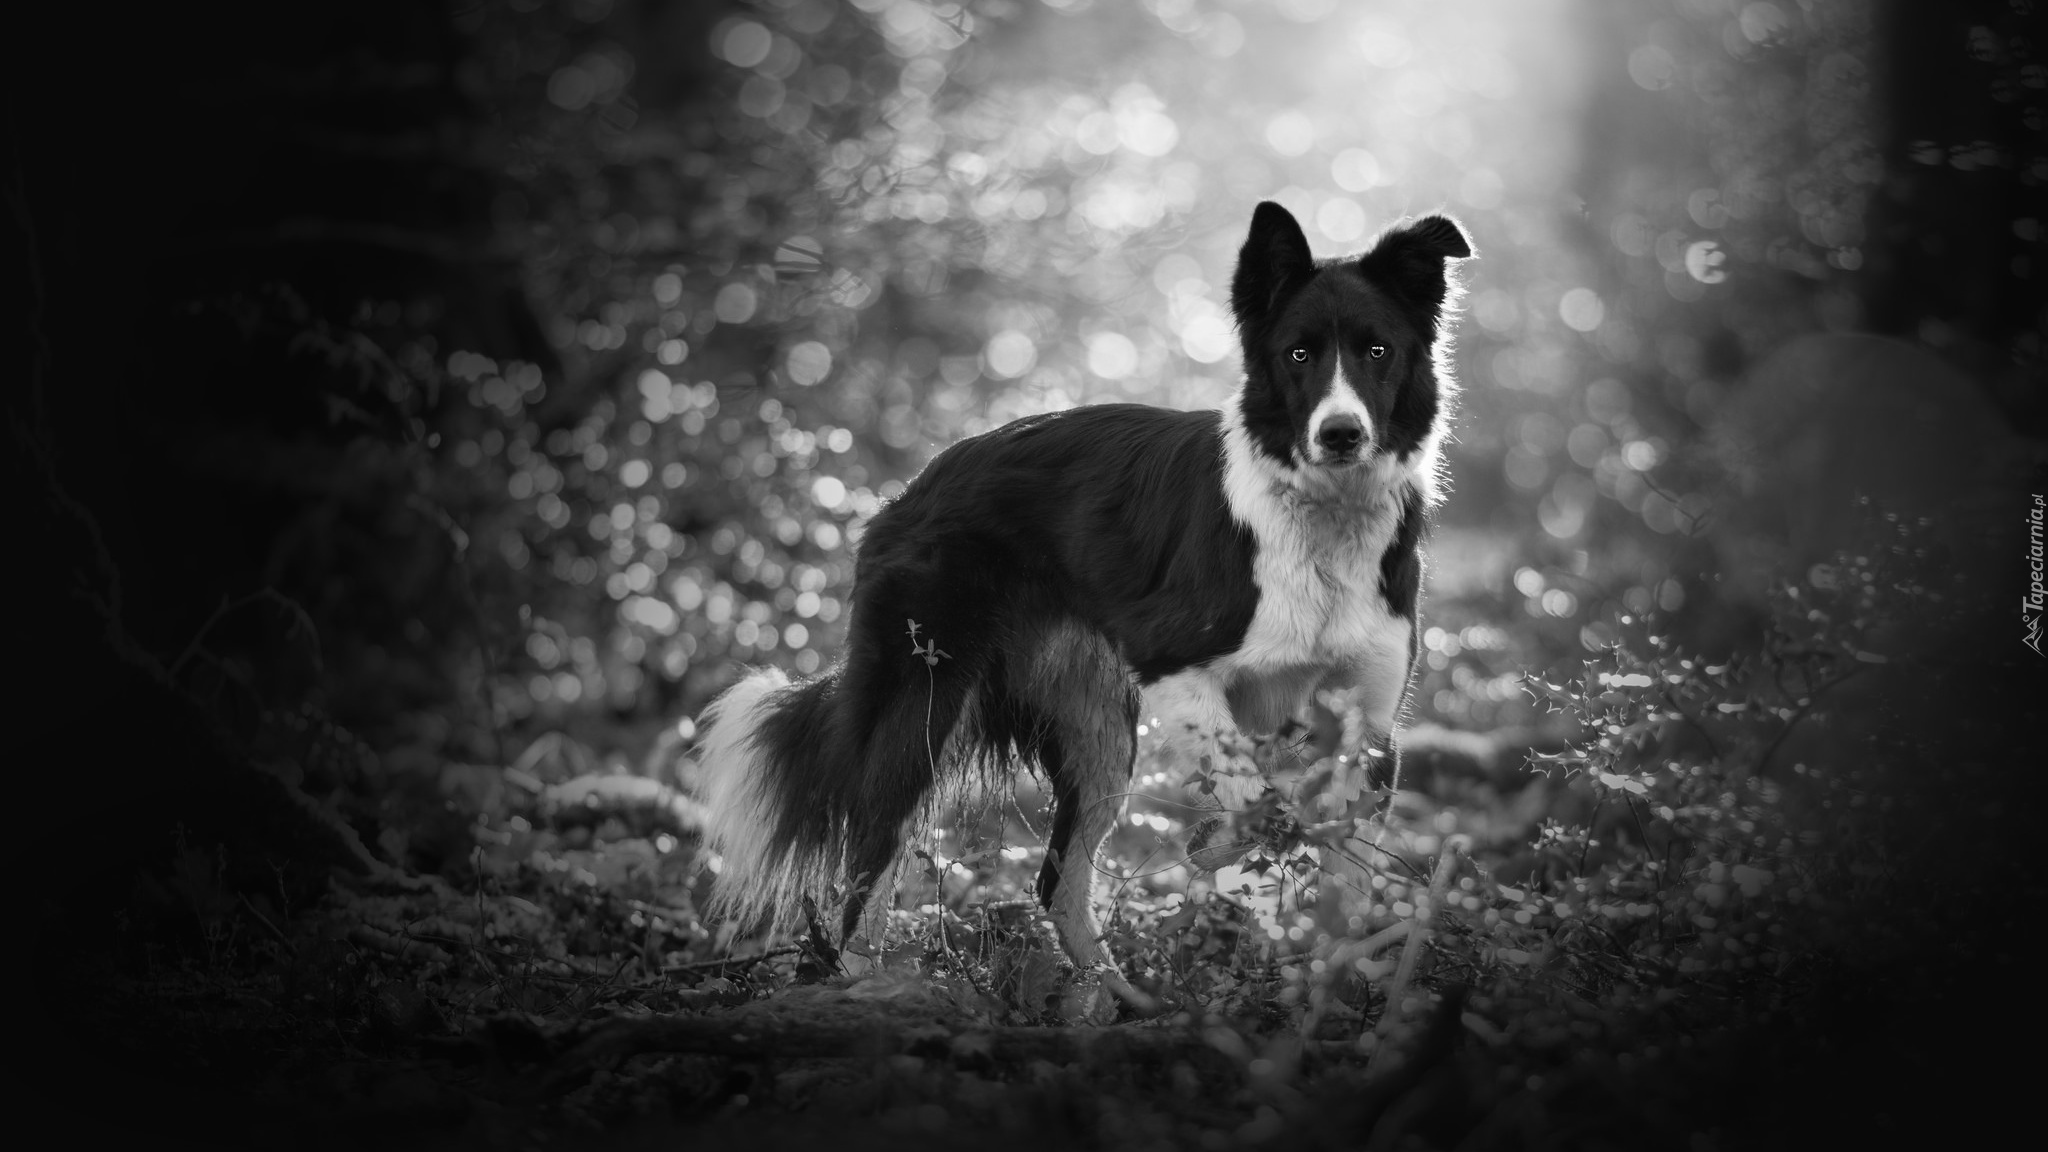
(1341, 399)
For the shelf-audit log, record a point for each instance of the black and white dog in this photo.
(1069, 573)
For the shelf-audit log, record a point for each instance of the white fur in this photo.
(1341, 400)
(1321, 534)
(734, 778)
(1426, 465)
(1322, 621)
(1192, 715)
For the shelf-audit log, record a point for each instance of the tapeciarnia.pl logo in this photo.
(2037, 596)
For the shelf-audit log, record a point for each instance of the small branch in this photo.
(1693, 521)
(1712, 747)
(762, 1033)
(730, 961)
(1359, 953)
(391, 944)
(1763, 762)
(300, 619)
(274, 929)
(1438, 1042)
(1412, 953)
(1592, 823)
(1340, 845)
(1633, 815)
(623, 794)
(820, 956)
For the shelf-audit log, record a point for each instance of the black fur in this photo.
(1401, 566)
(1112, 514)
(1057, 565)
(1392, 295)
(1107, 519)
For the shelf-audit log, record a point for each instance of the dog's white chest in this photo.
(1318, 572)
(1322, 617)
(1322, 613)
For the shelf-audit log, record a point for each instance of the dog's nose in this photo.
(1340, 434)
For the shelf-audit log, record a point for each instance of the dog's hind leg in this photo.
(1088, 750)
(908, 751)
(868, 863)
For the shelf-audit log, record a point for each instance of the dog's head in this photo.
(1343, 357)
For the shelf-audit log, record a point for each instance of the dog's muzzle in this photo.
(1340, 438)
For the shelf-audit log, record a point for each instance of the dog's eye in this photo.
(1376, 351)
(1298, 355)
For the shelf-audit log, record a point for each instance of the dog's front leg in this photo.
(1359, 789)
(1191, 712)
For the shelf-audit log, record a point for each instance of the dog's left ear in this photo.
(1412, 260)
(1273, 261)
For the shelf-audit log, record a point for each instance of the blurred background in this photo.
(411, 382)
(421, 410)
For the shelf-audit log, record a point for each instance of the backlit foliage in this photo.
(880, 226)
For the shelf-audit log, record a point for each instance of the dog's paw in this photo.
(1095, 995)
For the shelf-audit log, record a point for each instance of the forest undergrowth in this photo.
(1754, 893)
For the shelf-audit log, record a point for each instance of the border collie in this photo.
(1071, 572)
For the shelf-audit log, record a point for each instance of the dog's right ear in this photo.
(1413, 261)
(1274, 258)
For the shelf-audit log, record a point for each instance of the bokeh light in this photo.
(878, 227)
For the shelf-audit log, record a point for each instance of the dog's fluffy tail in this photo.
(816, 783)
(797, 801)
(762, 874)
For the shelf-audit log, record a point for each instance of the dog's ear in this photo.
(1411, 260)
(1274, 259)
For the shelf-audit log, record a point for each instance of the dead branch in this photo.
(758, 1032)
(401, 947)
(622, 794)
(731, 962)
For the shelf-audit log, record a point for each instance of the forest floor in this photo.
(401, 1011)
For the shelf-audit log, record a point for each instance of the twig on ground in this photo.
(1396, 991)
(756, 1032)
(731, 961)
(265, 921)
(392, 944)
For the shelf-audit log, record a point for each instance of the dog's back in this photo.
(1112, 516)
